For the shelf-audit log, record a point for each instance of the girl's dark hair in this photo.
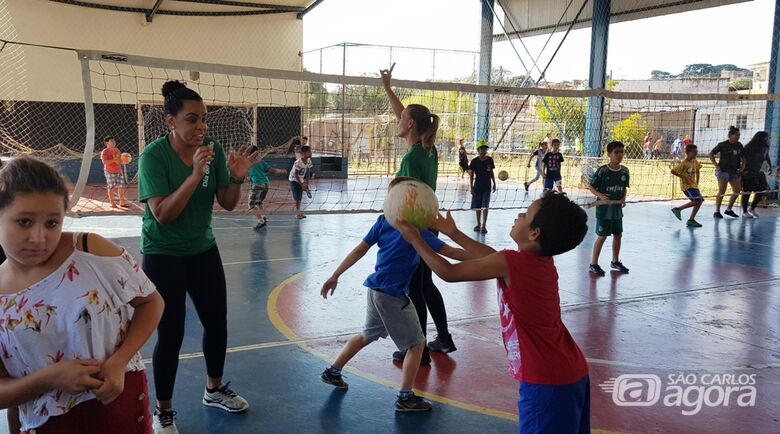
(733, 130)
(175, 93)
(759, 142)
(25, 175)
(426, 124)
(562, 224)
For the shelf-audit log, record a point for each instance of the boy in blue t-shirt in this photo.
(258, 175)
(389, 309)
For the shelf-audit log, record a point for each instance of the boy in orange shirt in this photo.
(112, 168)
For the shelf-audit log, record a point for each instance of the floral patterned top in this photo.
(80, 311)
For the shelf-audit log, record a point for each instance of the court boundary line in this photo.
(281, 326)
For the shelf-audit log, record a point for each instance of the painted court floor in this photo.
(692, 334)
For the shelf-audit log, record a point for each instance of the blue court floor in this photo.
(696, 301)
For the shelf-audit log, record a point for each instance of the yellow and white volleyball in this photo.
(503, 175)
(126, 158)
(413, 201)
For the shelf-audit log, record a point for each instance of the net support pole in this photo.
(89, 145)
(594, 120)
(772, 117)
(482, 126)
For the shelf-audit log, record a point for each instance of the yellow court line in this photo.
(278, 322)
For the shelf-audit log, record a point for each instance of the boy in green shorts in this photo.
(610, 183)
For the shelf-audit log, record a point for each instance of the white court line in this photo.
(497, 342)
(256, 261)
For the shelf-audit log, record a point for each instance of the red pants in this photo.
(127, 414)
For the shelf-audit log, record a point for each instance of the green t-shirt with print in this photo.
(613, 183)
(420, 164)
(161, 172)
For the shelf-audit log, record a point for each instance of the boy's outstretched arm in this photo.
(487, 267)
(353, 256)
(472, 248)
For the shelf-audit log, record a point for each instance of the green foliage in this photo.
(660, 75)
(741, 84)
(455, 111)
(631, 132)
(531, 140)
(568, 112)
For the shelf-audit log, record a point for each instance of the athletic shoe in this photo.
(412, 403)
(693, 224)
(595, 269)
(442, 344)
(308, 194)
(676, 212)
(754, 213)
(164, 422)
(261, 224)
(525, 184)
(336, 381)
(747, 215)
(730, 213)
(226, 399)
(717, 215)
(398, 356)
(619, 267)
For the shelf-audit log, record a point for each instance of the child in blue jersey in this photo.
(258, 175)
(389, 310)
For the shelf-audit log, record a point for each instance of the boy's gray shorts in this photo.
(394, 316)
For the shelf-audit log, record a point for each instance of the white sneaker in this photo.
(164, 422)
(226, 399)
(747, 215)
(755, 214)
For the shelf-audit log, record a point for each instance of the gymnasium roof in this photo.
(537, 17)
(215, 8)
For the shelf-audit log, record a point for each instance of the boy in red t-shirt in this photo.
(542, 355)
(112, 168)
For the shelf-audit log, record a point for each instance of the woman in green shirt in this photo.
(419, 126)
(180, 175)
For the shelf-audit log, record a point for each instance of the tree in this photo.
(741, 84)
(569, 113)
(500, 77)
(318, 96)
(631, 132)
(660, 75)
(455, 110)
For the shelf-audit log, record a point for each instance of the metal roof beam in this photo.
(309, 8)
(155, 8)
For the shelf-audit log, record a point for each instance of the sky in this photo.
(739, 34)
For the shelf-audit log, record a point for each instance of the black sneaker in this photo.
(595, 269)
(730, 213)
(261, 224)
(336, 381)
(619, 267)
(412, 403)
(442, 344)
(717, 215)
(398, 356)
(525, 184)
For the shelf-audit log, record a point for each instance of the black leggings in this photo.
(424, 293)
(746, 199)
(203, 278)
